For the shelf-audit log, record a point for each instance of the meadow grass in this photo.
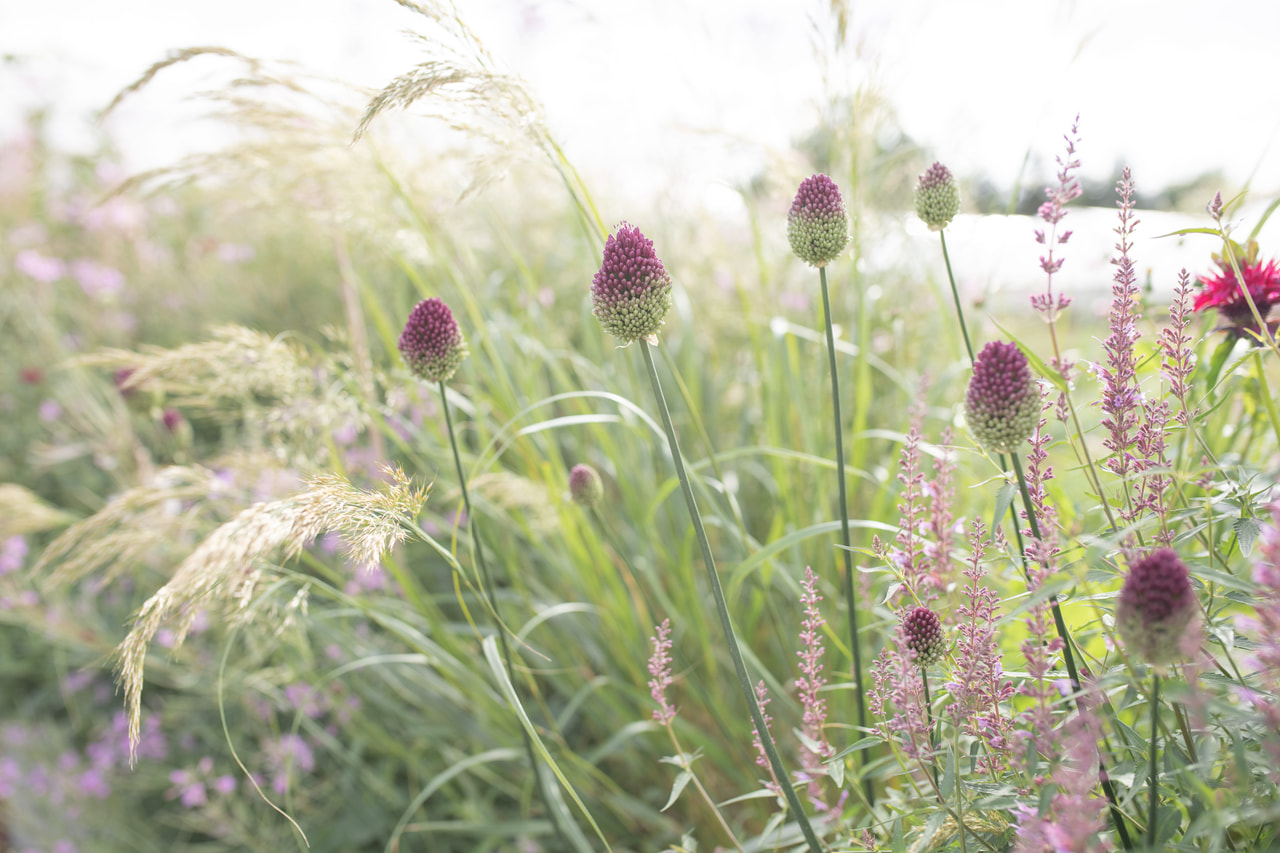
(207, 390)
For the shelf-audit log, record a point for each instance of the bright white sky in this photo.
(700, 91)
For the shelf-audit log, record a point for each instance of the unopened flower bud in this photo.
(1156, 606)
(631, 293)
(818, 226)
(431, 343)
(1002, 405)
(923, 632)
(585, 486)
(937, 199)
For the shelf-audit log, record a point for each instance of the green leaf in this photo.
(1054, 377)
(1214, 231)
(1216, 362)
(948, 783)
(1004, 498)
(856, 746)
(1247, 530)
(682, 779)
(835, 769)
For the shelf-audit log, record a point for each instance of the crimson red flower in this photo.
(1223, 291)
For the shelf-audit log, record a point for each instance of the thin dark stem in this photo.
(850, 596)
(955, 294)
(713, 579)
(928, 710)
(1153, 778)
(566, 838)
(1108, 787)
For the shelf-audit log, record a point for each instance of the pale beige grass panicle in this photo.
(23, 512)
(227, 566)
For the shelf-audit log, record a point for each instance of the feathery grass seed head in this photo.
(1156, 606)
(937, 199)
(818, 226)
(1002, 405)
(923, 632)
(585, 486)
(431, 343)
(631, 293)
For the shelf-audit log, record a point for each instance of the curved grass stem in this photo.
(739, 666)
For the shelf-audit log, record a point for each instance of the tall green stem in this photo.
(1153, 777)
(572, 839)
(850, 596)
(1108, 787)
(955, 295)
(766, 739)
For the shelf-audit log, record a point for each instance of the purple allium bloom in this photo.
(1156, 606)
(817, 225)
(631, 293)
(660, 672)
(923, 632)
(585, 485)
(937, 199)
(431, 343)
(1002, 405)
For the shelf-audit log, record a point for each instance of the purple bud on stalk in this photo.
(431, 343)
(1157, 604)
(937, 199)
(1002, 406)
(923, 632)
(817, 225)
(585, 486)
(631, 293)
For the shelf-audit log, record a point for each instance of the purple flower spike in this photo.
(631, 293)
(937, 199)
(924, 635)
(585, 486)
(1002, 406)
(818, 226)
(1156, 606)
(431, 343)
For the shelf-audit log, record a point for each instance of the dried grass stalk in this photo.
(228, 564)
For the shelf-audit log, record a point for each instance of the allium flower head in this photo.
(817, 226)
(937, 199)
(923, 632)
(431, 343)
(1224, 293)
(1156, 606)
(631, 293)
(1002, 405)
(585, 485)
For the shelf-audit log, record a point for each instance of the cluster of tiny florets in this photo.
(818, 226)
(585, 486)
(1224, 293)
(1002, 405)
(1156, 605)
(631, 293)
(923, 632)
(937, 199)
(431, 343)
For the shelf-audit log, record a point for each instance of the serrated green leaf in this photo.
(1247, 530)
(1004, 499)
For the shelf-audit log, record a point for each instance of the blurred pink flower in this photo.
(97, 280)
(40, 267)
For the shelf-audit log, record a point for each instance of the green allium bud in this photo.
(937, 199)
(631, 293)
(818, 226)
(431, 343)
(1156, 606)
(585, 486)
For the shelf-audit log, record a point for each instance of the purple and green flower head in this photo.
(923, 632)
(1002, 405)
(631, 293)
(431, 343)
(818, 226)
(937, 199)
(1157, 605)
(585, 486)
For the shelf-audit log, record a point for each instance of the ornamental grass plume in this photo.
(1002, 405)
(431, 343)
(1157, 604)
(631, 293)
(937, 199)
(585, 486)
(817, 225)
